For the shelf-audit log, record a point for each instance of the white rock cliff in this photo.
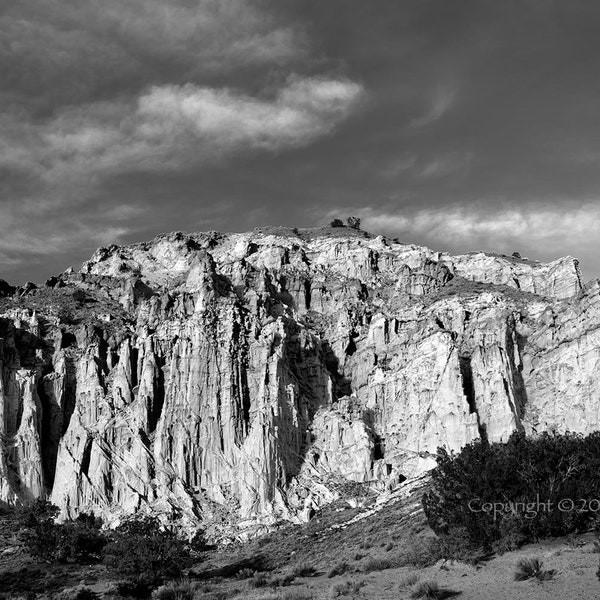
(234, 380)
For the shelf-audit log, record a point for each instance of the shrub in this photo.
(86, 594)
(336, 223)
(511, 533)
(303, 570)
(431, 590)
(353, 222)
(339, 569)
(573, 541)
(66, 315)
(346, 588)
(264, 540)
(175, 590)
(38, 511)
(142, 547)
(377, 564)
(523, 477)
(136, 588)
(456, 545)
(79, 296)
(83, 593)
(280, 580)
(296, 595)
(244, 573)
(80, 541)
(259, 580)
(528, 568)
(408, 581)
(419, 552)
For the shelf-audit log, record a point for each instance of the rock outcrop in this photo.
(234, 380)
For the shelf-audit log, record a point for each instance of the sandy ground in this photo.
(575, 577)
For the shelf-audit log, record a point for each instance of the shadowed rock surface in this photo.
(235, 380)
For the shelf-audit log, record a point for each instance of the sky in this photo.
(464, 125)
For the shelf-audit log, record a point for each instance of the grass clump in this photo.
(419, 552)
(340, 568)
(457, 546)
(303, 570)
(175, 590)
(532, 568)
(377, 564)
(296, 594)
(349, 587)
(259, 580)
(245, 573)
(408, 581)
(86, 594)
(431, 590)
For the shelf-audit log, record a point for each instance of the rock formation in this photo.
(234, 380)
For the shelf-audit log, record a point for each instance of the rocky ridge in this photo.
(230, 381)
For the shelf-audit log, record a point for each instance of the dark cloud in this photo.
(461, 125)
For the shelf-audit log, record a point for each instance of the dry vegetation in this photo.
(314, 562)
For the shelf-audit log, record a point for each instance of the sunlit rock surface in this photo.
(233, 380)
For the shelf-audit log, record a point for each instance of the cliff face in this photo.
(231, 380)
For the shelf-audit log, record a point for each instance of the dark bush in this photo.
(353, 222)
(38, 511)
(137, 588)
(80, 541)
(259, 580)
(142, 546)
(86, 594)
(339, 569)
(79, 296)
(303, 570)
(336, 223)
(526, 489)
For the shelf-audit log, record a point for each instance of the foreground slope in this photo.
(240, 379)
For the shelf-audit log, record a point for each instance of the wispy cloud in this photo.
(95, 94)
(425, 166)
(173, 126)
(533, 228)
(441, 101)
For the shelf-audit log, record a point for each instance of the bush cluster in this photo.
(140, 550)
(142, 546)
(540, 487)
(80, 541)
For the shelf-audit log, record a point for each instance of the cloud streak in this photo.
(533, 229)
(441, 102)
(175, 126)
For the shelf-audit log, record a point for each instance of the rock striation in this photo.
(229, 381)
